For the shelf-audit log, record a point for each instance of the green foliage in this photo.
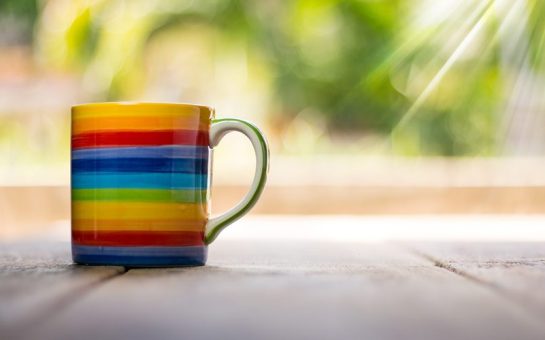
(23, 9)
(326, 56)
(26, 14)
(360, 65)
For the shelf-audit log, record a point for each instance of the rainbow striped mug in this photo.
(141, 180)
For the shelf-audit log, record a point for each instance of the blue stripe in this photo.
(139, 180)
(140, 256)
(182, 165)
(178, 151)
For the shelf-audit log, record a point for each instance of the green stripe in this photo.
(141, 195)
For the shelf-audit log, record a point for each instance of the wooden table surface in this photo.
(282, 287)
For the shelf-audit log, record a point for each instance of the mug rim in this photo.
(162, 106)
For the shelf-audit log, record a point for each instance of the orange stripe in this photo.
(138, 225)
(138, 238)
(143, 123)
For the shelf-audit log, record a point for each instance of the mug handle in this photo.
(218, 129)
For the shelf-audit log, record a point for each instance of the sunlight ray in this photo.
(520, 132)
(444, 69)
(413, 42)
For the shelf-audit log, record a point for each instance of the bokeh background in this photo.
(370, 107)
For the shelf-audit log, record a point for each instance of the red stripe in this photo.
(139, 138)
(138, 238)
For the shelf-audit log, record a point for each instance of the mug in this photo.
(141, 180)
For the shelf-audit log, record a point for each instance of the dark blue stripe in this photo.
(166, 151)
(131, 180)
(140, 256)
(183, 165)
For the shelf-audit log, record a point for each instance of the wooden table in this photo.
(282, 287)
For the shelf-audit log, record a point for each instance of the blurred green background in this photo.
(389, 78)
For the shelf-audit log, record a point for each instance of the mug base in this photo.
(140, 256)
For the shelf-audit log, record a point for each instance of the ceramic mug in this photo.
(141, 182)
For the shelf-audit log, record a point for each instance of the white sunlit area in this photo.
(403, 167)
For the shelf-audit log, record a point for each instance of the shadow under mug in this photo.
(141, 182)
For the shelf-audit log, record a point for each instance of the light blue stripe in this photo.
(139, 180)
(178, 151)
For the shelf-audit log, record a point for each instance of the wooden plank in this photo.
(46, 204)
(38, 279)
(373, 199)
(514, 270)
(286, 290)
(52, 203)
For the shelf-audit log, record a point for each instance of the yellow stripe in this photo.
(138, 210)
(141, 110)
(137, 225)
(142, 123)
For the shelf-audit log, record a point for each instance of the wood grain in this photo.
(37, 280)
(514, 270)
(288, 290)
